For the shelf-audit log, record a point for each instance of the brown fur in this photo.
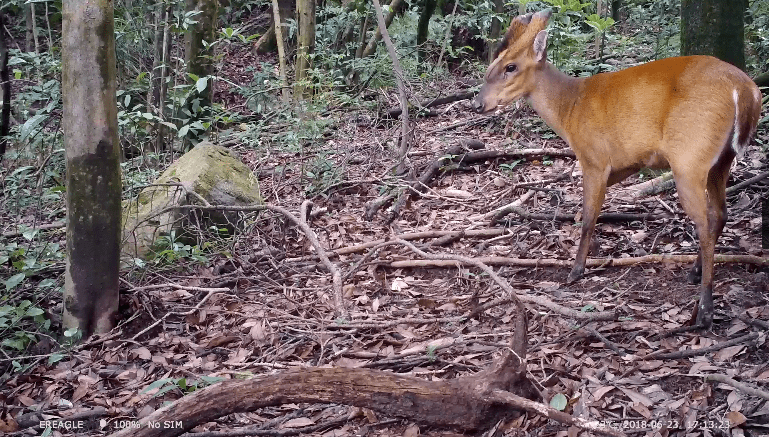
(677, 113)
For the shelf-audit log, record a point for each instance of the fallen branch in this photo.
(591, 262)
(652, 187)
(741, 386)
(610, 217)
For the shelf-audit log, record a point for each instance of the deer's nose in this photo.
(478, 103)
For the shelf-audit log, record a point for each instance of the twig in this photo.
(507, 398)
(745, 183)
(741, 386)
(610, 344)
(697, 352)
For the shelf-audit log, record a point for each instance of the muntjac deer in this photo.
(692, 114)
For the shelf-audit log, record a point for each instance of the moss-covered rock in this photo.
(212, 172)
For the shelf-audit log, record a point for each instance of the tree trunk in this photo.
(371, 46)
(34, 26)
(93, 166)
(281, 52)
(713, 27)
(305, 16)
(615, 7)
(165, 59)
(28, 21)
(198, 57)
(495, 31)
(428, 8)
(154, 104)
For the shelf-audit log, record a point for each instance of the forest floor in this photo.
(278, 310)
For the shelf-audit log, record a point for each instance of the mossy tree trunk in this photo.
(199, 59)
(715, 28)
(93, 166)
(305, 16)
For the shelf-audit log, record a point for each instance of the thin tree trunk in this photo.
(281, 54)
(448, 32)
(198, 56)
(94, 188)
(5, 87)
(305, 16)
(405, 130)
(165, 60)
(371, 47)
(495, 31)
(48, 26)
(362, 41)
(599, 35)
(34, 27)
(28, 19)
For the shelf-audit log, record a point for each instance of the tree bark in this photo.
(198, 57)
(93, 166)
(715, 28)
(305, 16)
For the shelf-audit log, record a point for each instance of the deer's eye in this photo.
(511, 68)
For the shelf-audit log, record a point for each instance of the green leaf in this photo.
(34, 311)
(55, 358)
(29, 126)
(14, 281)
(201, 84)
(29, 234)
(559, 402)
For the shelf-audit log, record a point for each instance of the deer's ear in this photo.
(540, 46)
